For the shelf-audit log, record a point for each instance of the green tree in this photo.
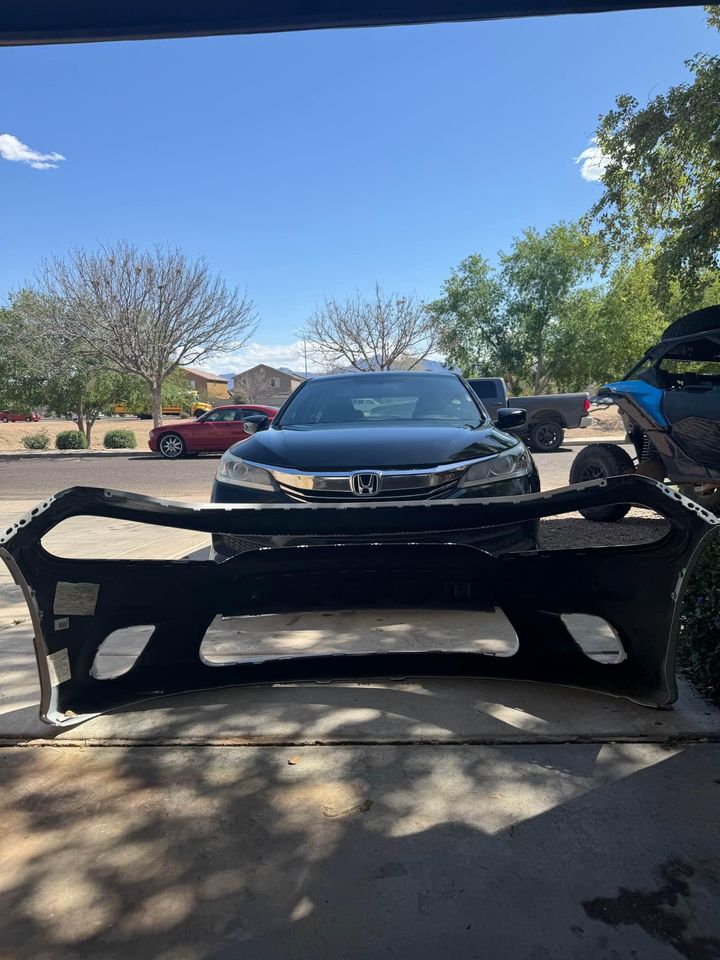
(510, 321)
(19, 382)
(143, 312)
(543, 274)
(138, 399)
(40, 369)
(475, 332)
(662, 180)
(608, 328)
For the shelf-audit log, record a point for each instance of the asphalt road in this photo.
(25, 477)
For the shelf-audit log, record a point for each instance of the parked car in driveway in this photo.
(212, 433)
(548, 415)
(12, 416)
(380, 436)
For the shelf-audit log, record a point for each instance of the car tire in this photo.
(596, 462)
(545, 436)
(6, 420)
(710, 501)
(28, 419)
(696, 322)
(171, 446)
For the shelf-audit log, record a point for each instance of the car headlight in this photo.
(233, 469)
(505, 466)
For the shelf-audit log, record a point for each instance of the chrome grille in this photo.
(334, 488)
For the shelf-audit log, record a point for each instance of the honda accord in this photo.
(379, 436)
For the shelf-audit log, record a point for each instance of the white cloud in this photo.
(274, 355)
(13, 149)
(594, 162)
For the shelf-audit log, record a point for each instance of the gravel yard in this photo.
(11, 434)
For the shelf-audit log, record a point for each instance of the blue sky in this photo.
(317, 163)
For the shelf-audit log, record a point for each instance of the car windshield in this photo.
(400, 397)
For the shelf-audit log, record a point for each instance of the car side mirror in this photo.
(508, 417)
(255, 423)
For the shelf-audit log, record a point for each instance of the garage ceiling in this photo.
(63, 21)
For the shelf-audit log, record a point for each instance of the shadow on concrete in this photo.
(539, 853)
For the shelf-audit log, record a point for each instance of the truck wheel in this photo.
(596, 462)
(545, 436)
(171, 446)
(710, 501)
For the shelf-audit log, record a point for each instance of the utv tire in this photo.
(710, 501)
(696, 322)
(545, 436)
(596, 462)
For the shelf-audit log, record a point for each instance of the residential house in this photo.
(210, 387)
(266, 385)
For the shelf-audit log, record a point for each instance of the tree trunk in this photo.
(157, 403)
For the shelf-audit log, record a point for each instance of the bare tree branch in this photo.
(143, 312)
(380, 333)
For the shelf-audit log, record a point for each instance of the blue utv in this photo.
(670, 406)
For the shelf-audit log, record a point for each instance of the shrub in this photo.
(36, 441)
(71, 440)
(119, 440)
(699, 651)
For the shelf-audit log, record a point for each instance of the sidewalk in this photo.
(426, 819)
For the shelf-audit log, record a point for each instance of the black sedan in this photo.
(379, 436)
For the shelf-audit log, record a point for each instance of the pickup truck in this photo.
(548, 416)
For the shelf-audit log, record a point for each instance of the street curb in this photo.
(46, 454)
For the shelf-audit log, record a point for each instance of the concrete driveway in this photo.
(430, 819)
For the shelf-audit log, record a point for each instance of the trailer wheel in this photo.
(710, 501)
(545, 436)
(596, 462)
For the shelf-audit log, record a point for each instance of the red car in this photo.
(212, 433)
(6, 416)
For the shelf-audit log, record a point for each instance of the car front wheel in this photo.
(171, 446)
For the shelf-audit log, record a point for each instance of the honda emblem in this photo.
(365, 484)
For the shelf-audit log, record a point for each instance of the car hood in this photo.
(174, 424)
(371, 446)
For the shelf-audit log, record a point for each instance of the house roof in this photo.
(266, 366)
(203, 374)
